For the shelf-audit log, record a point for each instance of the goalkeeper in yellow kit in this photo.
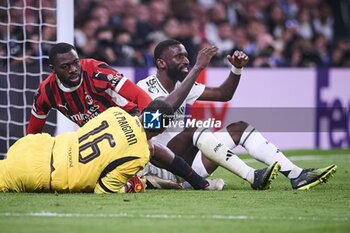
(102, 155)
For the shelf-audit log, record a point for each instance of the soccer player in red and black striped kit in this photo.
(83, 88)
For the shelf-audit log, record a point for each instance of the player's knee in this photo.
(238, 126)
(236, 130)
(189, 131)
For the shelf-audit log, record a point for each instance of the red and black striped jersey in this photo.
(101, 87)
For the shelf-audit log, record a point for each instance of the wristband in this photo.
(236, 71)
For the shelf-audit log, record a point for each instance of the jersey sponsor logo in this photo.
(91, 113)
(126, 128)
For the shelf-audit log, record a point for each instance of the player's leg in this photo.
(241, 133)
(219, 153)
(182, 145)
(216, 153)
(165, 158)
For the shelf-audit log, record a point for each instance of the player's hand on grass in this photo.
(238, 59)
(135, 185)
(205, 55)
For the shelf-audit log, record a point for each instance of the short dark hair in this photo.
(164, 108)
(58, 49)
(162, 46)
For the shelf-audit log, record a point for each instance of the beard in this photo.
(73, 84)
(176, 74)
(68, 82)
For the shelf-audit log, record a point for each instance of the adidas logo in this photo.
(229, 155)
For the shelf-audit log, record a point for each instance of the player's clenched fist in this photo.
(238, 59)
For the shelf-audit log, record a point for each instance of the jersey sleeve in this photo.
(108, 184)
(135, 94)
(35, 125)
(41, 106)
(196, 91)
(111, 79)
(115, 180)
(39, 113)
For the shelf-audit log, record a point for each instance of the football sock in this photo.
(180, 168)
(224, 137)
(261, 149)
(219, 153)
(197, 166)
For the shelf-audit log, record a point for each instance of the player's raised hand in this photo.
(205, 55)
(238, 59)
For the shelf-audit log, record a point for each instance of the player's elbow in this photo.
(225, 96)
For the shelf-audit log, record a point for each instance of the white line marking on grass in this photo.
(169, 216)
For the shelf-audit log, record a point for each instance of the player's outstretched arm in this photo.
(176, 98)
(135, 94)
(226, 90)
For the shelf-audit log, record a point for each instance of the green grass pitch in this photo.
(326, 208)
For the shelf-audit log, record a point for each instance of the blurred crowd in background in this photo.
(273, 33)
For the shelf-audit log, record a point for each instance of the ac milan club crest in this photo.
(88, 99)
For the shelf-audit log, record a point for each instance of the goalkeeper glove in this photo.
(135, 185)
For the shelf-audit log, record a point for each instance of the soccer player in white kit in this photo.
(170, 57)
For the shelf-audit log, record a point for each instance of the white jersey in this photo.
(155, 89)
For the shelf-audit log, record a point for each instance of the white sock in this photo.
(219, 153)
(261, 149)
(225, 137)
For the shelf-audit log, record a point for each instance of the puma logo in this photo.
(229, 155)
(99, 72)
(63, 106)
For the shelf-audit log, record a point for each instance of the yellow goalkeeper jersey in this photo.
(100, 157)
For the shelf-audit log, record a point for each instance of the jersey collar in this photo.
(161, 85)
(67, 89)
